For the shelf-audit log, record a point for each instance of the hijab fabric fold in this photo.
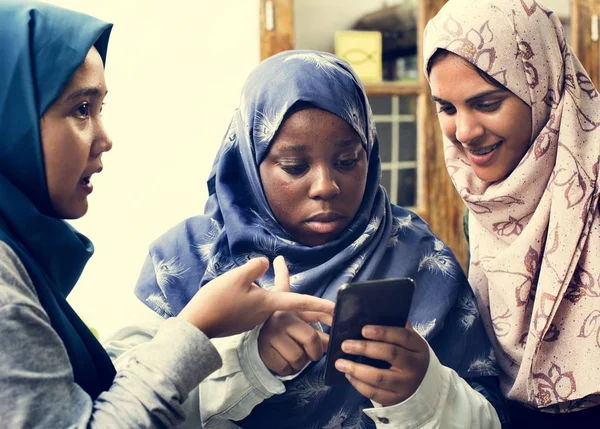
(535, 236)
(383, 241)
(41, 47)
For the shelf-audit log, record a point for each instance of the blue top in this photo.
(383, 241)
(41, 46)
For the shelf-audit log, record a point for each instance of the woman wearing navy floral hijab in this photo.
(298, 176)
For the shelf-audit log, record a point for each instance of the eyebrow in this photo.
(474, 97)
(91, 91)
(304, 149)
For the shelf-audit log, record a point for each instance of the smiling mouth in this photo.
(485, 150)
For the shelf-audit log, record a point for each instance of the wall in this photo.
(174, 73)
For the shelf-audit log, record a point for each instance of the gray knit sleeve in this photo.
(37, 389)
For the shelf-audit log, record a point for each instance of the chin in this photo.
(73, 212)
(489, 176)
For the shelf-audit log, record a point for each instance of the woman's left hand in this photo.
(403, 348)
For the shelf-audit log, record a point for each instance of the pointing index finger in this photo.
(289, 301)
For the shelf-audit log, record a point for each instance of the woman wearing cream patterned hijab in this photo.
(521, 125)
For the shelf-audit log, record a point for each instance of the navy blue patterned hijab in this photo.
(41, 46)
(383, 241)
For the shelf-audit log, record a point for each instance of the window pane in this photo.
(407, 150)
(381, 105)
(407, 188)
(384, 131)
(408, 105)
(386, 180)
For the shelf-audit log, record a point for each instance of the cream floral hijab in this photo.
(535, 236)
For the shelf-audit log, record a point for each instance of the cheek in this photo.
(280, 191)
(51, 137)
(448, 126)
(66, 154)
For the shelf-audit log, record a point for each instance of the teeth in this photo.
(484, 150)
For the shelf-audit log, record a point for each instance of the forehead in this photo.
(453, 77)
(90, 73)
(313, 123)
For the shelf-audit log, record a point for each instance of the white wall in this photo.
(174, 73)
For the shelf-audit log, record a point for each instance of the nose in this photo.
(324, 185)
(468, 128)
(102, 142)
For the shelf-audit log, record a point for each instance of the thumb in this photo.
(250, 271)
(282, 275)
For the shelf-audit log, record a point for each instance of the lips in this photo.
(326, 223)
(483, 156)
(325, 217)
(85, 181)
(485, 150)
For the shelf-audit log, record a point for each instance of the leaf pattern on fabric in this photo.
(159, 304)
(468, 309)
(399, 226)
(486, 365)
(204, 249)
(590, 324)
(266, 124)
(437, 262)
(369, 231)
(168, 271)
(480, 207)
(424, 328)
(308, 390)
(554, 384)
(511, 226)
(501, 324)
(319, 61)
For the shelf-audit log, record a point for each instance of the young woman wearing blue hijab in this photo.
(298, 176)
(53, 372)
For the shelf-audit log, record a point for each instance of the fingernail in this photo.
(341, 365)
(369, 331)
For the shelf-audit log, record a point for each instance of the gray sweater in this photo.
(37, 389)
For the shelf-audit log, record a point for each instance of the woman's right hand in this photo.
(287, 342)
(233, 303)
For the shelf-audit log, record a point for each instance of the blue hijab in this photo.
(383, 241)
(41, 46)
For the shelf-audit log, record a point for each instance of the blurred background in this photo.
(174, 72)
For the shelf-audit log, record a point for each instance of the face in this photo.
(314, 175)
(490, 125)
(74, 139)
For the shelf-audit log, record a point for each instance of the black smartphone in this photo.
(377, 302)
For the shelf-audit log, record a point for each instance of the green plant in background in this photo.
(94, 331)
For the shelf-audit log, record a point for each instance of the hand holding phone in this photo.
(383, 360)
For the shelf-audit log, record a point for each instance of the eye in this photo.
(83, 110)
(446, 108)
(347, 163)
(295, 170)
(489, 107)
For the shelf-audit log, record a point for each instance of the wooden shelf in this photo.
(392, 88)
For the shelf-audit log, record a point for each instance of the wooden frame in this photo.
(583, 12)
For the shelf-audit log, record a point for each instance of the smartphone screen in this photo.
(377, 302)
